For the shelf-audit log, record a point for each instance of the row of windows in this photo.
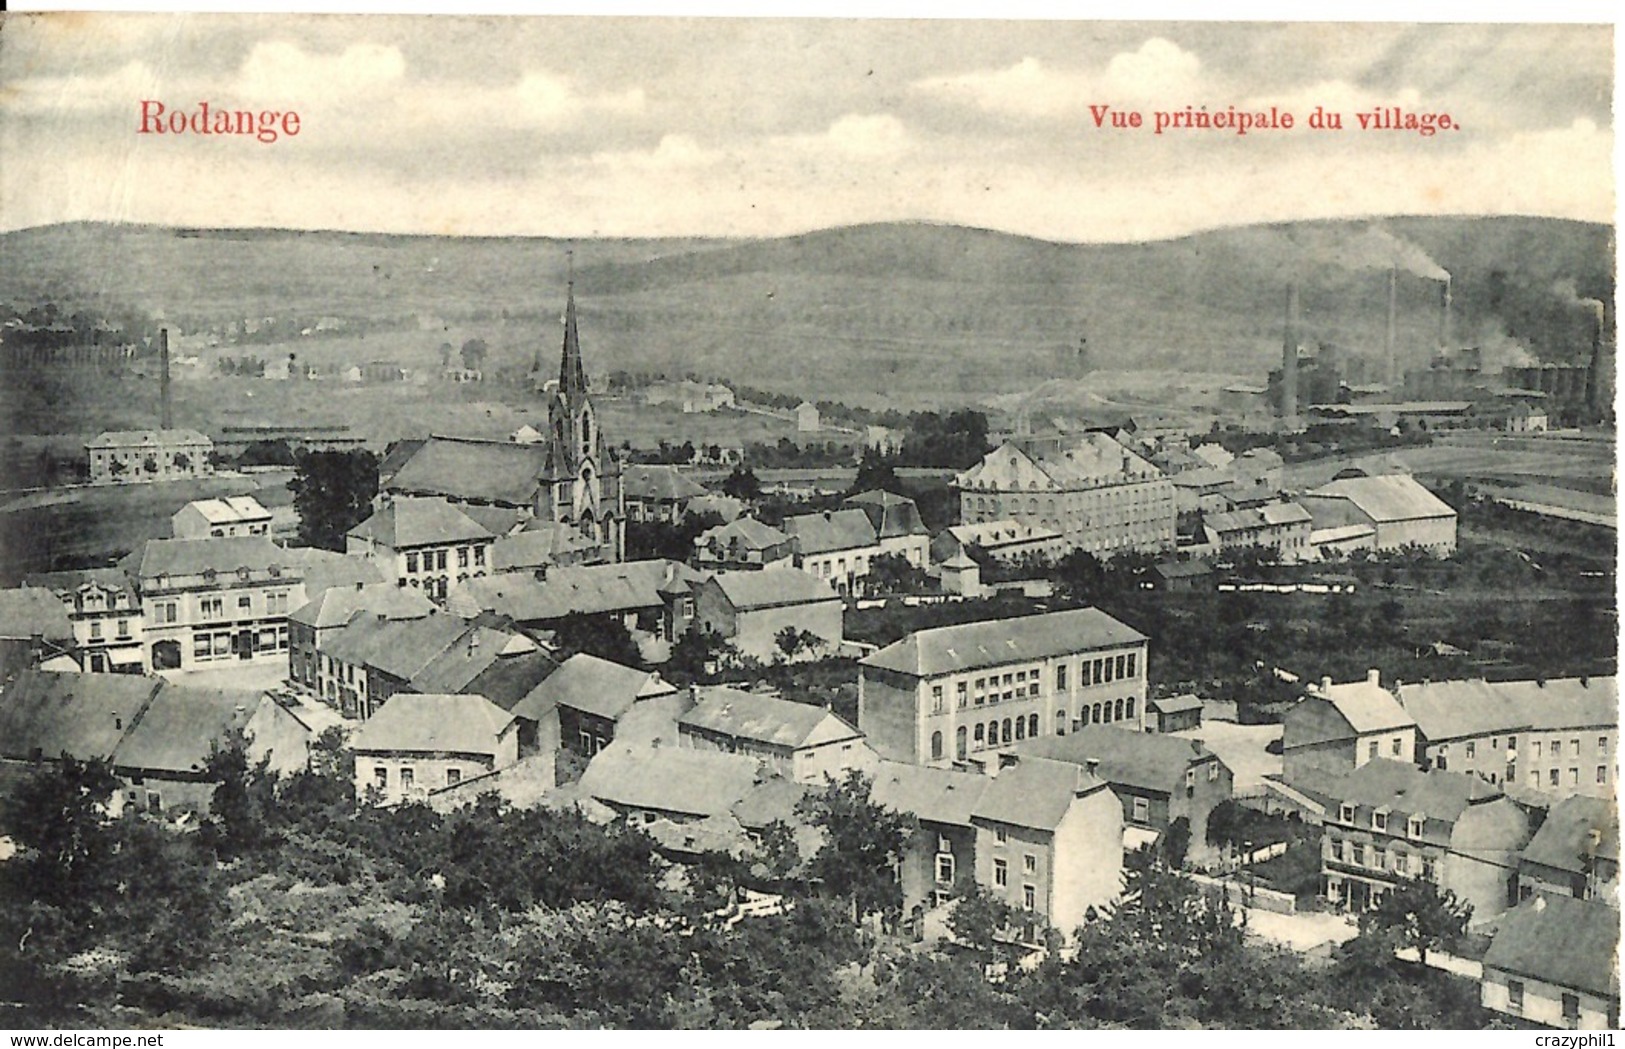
(408, 777)
(435, 560)
(997, 733)
(1553, 748)
(1001, 878)
(276, 604)
(1357, 854)
(222, 644)
(1414, 824)
(1022, 684)
(96, 629)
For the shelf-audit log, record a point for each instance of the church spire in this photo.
(572, 374)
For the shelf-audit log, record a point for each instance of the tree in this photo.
(979, 918)
(244, 804)
(876, 473)
(1079, 577)
(894, 574)
(742, 484)
(1417, 913)
(793, 642)
(333, 492)
(58, 817)
(474, 352)
(696, 654)
(604, 636)
(863, 843)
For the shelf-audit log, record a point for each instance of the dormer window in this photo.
(1414, 826)
(1345, 813)
(1379, 819)
(208, 576)
(243, 573)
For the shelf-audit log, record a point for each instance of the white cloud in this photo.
(118, 89)
(1026, 89)
(1160, 69)
(278, 71)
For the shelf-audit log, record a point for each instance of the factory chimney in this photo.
(1594, 373)
(166, 415)
(1394, 377)
(1289, 360)
(1444, 316)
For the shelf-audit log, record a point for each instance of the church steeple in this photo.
(572, 375)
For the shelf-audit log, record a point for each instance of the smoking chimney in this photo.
(1394, 378)
(1594, 373)
(1444, 316)
(166, 416)
(1289, 359)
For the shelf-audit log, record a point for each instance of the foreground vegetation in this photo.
(288, 907)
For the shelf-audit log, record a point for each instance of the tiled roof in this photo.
(532, 548)
(993, 534)
(470, 655)
(224, 554)
(939, 795)
(324, 569)
(406, 523)
(772, 587)
(1146, 760)
(891, 514)
(1390, 497)
(230, 509)
(337, 605)
(764, 719)
(455, 724)
(179, 728)
(671, 779)
(469, 470)
(147, 438)
(1176, 704)
(1446, 710)
(399, 648)
(1273, 515)
(575, 590)
(1034, 792)
(84, 715)
(1368, 707)
(595, 686)
(28, 611)
(830, 531)
(1576, 827)
(1403, 788)
(749, 533)
(1560, 940)
(511, 678)
(658, 483)
(1095, 460)
(773, 800)
(969, 646)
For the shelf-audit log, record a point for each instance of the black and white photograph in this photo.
(588, 522)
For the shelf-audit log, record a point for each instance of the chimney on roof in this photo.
(1008, 761)
(118, 722)
(1373, 677)
(1326, 685)
(359, 584)
(473, 642)
(1091, 766)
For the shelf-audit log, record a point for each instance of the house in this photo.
(1100, 496)
(799, 741)
(543, 545)
(960, 575)
(1005, 540)
(1337, 544)
(690, 397)
(807, 420)
(313, 623)
(324, 569)
(1574, 853)
(657, 493)
(231, 515)
(417, 743)
(644, 783)
(1279, 530)
(94, 614)
(45, 714)
(726, 507)
(1555, 961)
(163, 755)
(750, 610)
(939, 695)
(1336, 728)
(426, 543)
(1214, 455)
(1180, 576)
(1159, 780)
(1176, 713)
(132, 456)
(897, 525)
(580, 706)
(527, 434)
(1388, 820)
(939, 864)
(652, 597)
(207, 601)
(836, 546)
(1559, 736)
(465, 470)
(1401, 512)
(743, 544)
(372, 658)
(1048, 839)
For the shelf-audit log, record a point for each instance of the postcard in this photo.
(752, 523)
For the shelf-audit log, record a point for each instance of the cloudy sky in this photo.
(646, 127)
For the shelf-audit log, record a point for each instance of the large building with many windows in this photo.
(1100, 496)
(208, 601)
(941, 695)
(424, 543)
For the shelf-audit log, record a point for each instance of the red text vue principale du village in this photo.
(1241, 121)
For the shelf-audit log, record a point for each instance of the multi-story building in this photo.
(1100, 496)
(751, 610)
(1388, 820)
(899, 530)
(1558, 736)
(312, 624)
(423, 543)
(105, 611)
(212, 600)
(1339, 727)
(373, 659)
(940, 695)
(1555, 961)
(743, 544)
(588, 702)
(799, 741)
(836, 546)
(657, 493)
(215, 518)
(1279, 530)
(133, 456)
